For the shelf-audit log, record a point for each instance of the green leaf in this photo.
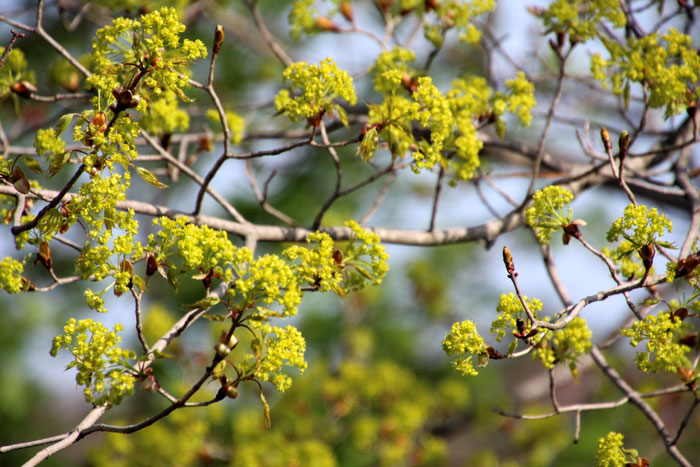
(219, 369)
(172, 278)
(513, 345)
(33, 165)
(214, 317)
(62, 124)
(342, 115)
(667, 245)
(148, 177)
(204, 303)
(58, 161)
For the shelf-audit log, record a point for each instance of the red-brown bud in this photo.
(23, 88)
(218, 39)
(326, 24)
(44, 256)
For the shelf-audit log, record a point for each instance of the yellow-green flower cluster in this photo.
(433, 112)
(363, 261)
(96, 204)
(197, 248)
(317, 266)
(661, 333)
(520, 98)
(100, 361)
(95, 301)
(460, 14)
(11, 275)
(626, 256)
(364, 244)
(510, 310)
(318, 86)
(267, 279)
(282, 347)
(47, 143)
(547, 211)
(580, 18)
(236, 123)
(302, 18)
(152, 42)
(164, 116)
(640, 225)
(464, 342)
(667, 66)
(610, 451)
(449, 119)
(565, 345)
(396, 61)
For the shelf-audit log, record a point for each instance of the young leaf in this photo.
(148, 177)
(62, 124)
(266, 408)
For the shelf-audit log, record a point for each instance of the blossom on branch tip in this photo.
(464, 342)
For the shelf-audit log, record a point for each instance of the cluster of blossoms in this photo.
(153, 43)
(612, 453)
(512, 315)
(565, 345)
(580, 18)
(665, 348)
(317, 86)
(546, 214)
(305, 17)
(262, 283)
(640, 226)
(464, 342)
(11, 275)
(666, 66)
(279, 347)
(456, 14)
(450, 120)
(102, 365)
(181, 248)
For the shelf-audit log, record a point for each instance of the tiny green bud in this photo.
(222, 350)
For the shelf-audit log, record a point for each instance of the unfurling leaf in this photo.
(148, 177)
(63, 124)
(219, 369)
(266, 409)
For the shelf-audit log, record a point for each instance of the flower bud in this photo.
(624, 143)
(151, 264)
(222, 350)
(605, 137)
(232, 392)
(346, 10)
(23, 88)
(44, 255)
(218, 39)
(99, 119)
(232, 341)
(326, 24)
